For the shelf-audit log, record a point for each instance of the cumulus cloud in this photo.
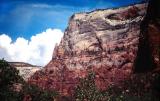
(38, 50)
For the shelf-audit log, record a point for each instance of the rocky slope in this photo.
(101, 41)
(25, 70)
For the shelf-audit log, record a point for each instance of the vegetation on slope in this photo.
(139, 87)
(14, 88)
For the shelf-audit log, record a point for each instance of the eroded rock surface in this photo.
(25, 70)
(102, 41)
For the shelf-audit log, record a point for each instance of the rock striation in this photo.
(101, 41)
(25, 70)
(101, 37)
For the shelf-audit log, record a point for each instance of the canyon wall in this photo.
(102, 41)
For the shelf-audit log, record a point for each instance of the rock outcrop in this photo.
(25, 70)
(101, 37)
(148, 56)
(101, 41)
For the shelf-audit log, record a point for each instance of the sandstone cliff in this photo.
(101, 37)
(25, 70)
(102, 41)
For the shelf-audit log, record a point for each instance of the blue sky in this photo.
(24, 18)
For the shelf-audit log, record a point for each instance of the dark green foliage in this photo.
(8, 74)
(9, 95)
(87, 90)
(133, 89)
(141, 87)
(38, 94)
(118, 94)
(8, 77)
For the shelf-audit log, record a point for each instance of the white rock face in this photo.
(25, 70)
(112, 34)
(102, 41)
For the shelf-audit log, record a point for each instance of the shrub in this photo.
(87, 90)
(131, 90)
(8, 77)
(37, 94)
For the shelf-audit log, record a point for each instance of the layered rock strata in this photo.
(102, 41)
(25, 70)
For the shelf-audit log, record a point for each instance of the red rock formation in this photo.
(148, 56)
(102, 41)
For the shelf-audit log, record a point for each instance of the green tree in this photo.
(8, 77)
(87, 90)
(38, 94)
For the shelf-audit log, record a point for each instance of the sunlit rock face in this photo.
(25, 70)
(109, 34)
(101, 41)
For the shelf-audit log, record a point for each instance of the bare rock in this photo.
(102, 41)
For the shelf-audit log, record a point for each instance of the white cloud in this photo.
(37, 51)
(41, 5)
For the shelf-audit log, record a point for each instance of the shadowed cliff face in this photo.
(102, 41)
(149, 42)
